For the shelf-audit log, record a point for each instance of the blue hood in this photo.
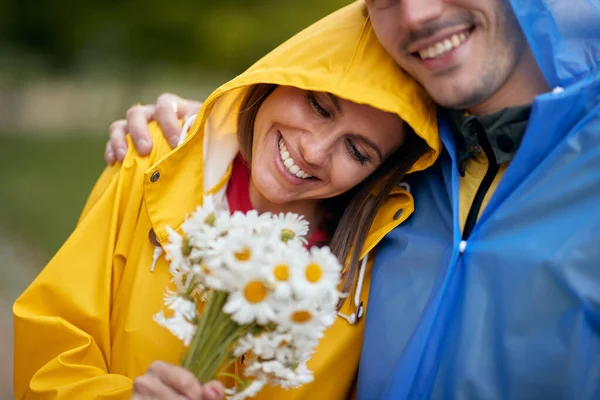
(564, 36)
(514, 311)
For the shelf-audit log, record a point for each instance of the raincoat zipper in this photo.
(486, 182)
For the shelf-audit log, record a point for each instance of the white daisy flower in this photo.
(202, 228)
(290, 226)
(251, 223)
(240, 252)
(285, 355)
(244, 345)
(282, 263)
(178, 325)
(251, 300)
(262, 367)
(176, 251)
(280, 374)
(300, 375)
(250, 391)
(305, 319)
(206, 277)
(181, 306)
(207, 222)
(319, 278)
(266, 345)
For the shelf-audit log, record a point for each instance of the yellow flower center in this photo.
(314, 272)
(186, 248)
(301, 316)
(205, 269)
(243, 255)
(255, 292)
(210, 219)
(282, 272)
(287, 235)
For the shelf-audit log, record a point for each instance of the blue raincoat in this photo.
(513, 313)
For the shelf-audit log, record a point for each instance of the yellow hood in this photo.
(340, 55)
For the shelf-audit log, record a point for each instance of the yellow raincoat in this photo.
(84, 327)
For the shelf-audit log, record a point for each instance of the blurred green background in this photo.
(69, 68)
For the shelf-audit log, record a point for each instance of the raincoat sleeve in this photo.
(62, 321)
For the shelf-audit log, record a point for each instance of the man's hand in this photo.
(169, 108)
(169, 382)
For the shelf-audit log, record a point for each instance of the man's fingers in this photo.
(168, 107)
(117, 145)
(188, 107)
(138, 118)
(178, 379)
(109, 154)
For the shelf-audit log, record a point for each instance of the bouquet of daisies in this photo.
(246, 286)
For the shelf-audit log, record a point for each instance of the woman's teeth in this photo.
(442, 47)
(289, 162)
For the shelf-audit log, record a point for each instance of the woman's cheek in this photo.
(346, 175)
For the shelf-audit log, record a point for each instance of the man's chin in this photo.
(453, 96)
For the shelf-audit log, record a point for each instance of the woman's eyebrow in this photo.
(369, 142)
(335, 101)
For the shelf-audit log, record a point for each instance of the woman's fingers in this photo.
(148, 387)
(178, 379)
(168, 381)
(214, 389)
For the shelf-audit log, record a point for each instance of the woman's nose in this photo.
(314, 147)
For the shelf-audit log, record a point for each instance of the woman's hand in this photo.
(169, 108)
(169, 382)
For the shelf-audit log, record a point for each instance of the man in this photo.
(492, 289)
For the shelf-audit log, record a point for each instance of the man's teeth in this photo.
(289, 162)
(440, 48)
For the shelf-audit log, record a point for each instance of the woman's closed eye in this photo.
(355, 153)
(316, 106)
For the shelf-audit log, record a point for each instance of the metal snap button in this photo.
(398, 214)
(155, 176)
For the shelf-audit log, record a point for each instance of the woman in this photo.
(320, 126)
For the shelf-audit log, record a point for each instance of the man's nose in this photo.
(416, 14)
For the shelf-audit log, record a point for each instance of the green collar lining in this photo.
(504, 131)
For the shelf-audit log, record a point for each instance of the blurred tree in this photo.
(214, 34)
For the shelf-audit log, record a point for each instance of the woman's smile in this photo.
(291, 168)
(289, 163)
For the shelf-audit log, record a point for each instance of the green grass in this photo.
(44, 184)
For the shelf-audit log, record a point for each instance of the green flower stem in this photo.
(199, 335)
(201, 332)
(212, 344)
(218, 347)
(222, 350)
(236, 378)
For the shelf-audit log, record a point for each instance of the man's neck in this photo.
(525, 83)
